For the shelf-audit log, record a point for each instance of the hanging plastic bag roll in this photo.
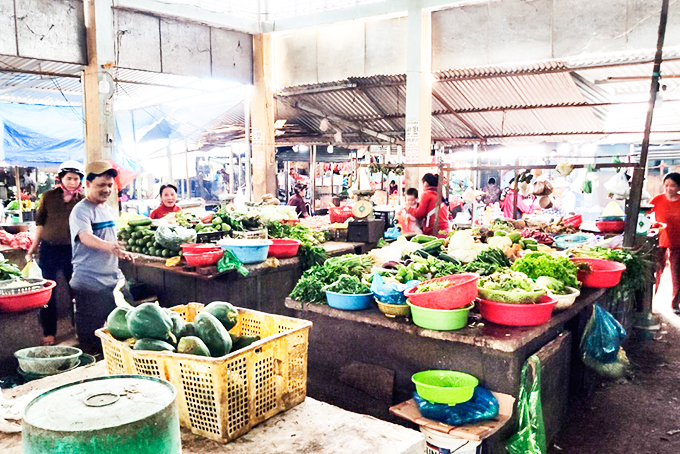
(530, 435)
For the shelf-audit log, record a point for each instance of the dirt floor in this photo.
(639, 414)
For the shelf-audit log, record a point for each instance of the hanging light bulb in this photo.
(330, 149)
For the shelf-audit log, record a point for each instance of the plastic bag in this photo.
(390, 292)
(32, 270)
(483, 405)
(229, 261)
(618, 186)
(392, 233)
(602, 337)
(601, 345)
(118, 296)
(530, 436)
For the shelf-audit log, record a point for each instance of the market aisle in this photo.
(640, 414)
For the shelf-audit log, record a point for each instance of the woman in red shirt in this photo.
(426, 211)
(168, 202)
(667, 211)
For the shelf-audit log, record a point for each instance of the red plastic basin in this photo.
(518, 314)
(203, 258)
(27, 301)
(284, 248)
(611, 226)
(461, 293)
(602, 273)
(196, 248)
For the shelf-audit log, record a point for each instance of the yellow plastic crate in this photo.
(223, 398)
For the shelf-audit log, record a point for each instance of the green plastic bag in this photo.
(229, 261)
(530, 436)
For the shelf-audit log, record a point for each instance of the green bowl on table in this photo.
(445, 386)
(440, 319)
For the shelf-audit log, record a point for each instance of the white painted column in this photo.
(418, 91)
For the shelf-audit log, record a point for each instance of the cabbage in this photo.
(550, 284)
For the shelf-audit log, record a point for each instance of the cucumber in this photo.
(142, 222)
(192, 345)
(213, 334)
(448, 258)
(154, 345)
(422, 239)
(433, 246)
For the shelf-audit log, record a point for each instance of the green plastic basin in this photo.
(440, 319)
(445, 386)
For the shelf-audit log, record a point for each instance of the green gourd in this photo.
(117, 325)
(192, 345)
(224, 312)
(213, 334)
(153, 345)
(149, 320)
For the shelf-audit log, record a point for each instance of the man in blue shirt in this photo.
(95, 254)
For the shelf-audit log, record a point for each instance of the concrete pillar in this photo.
(418, 92)
(262, 118)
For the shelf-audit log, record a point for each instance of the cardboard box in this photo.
(476, 431)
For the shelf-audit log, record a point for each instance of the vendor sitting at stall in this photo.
(427, 209)
(298, 200)
(168, 202)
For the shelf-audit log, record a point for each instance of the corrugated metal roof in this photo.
(534, 100)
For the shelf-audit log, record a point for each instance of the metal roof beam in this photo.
(388, 8)
(192, 13)
(548, 134)
(453, 112)
(310, 109)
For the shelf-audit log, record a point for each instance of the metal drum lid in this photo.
(99, 403)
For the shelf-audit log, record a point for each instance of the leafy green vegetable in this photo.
(481, 268)
(537, 264)
(493, 256)
(551, 284)
(311, 253)
(508, 281)
(432, 286)
(309, 288)
(422, 269)
(348, 285)
(8, 270)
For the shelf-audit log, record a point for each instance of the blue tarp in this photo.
(40, 136)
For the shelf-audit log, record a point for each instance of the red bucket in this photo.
(461, 293)
(284, 248)
(203, 258)
(602, 273)
(518, 314)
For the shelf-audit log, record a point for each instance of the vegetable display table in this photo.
(363, 361)
(312, 426)
(264, 288)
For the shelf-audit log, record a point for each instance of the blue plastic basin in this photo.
(348, 302)
(248, 251)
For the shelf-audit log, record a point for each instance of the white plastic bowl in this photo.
(565, 301)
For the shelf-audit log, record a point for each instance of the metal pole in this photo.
(231, 170)
(249, 168)
(169, 153)
(186, 165)
(639, 172)
(138, 190)
(312, 176)
(17, 180)
(514, 202)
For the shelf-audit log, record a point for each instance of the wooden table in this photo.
(312, 427)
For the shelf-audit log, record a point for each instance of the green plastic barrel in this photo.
(121, 414)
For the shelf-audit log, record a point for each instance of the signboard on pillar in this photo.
(257, 137)
(412, 142)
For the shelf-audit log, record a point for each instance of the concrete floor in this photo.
(639, 414)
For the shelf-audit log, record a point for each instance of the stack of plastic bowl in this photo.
(446, 309)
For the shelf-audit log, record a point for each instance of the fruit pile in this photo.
(138, 237)
(161, 329)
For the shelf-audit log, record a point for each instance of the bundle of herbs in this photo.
(311, 286)
(639, 263)
(311, 252)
